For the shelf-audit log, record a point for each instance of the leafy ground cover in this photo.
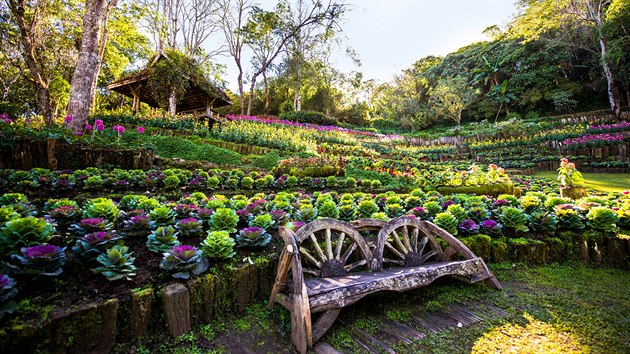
(555, 308)
(605, 182)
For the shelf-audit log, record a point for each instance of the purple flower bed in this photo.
(593, 140)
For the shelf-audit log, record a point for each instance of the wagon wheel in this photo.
(331, 248)
(404, 241)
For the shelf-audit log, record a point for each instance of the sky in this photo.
(390, 35)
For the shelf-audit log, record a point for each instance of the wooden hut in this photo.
(198, 100)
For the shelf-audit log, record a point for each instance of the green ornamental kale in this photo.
(116, 263)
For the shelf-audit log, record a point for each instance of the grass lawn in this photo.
(605, 182)
(550, 309)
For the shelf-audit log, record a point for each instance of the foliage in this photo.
(218, 245)
(116, 263)
(91, 245)
(101, 208)
(311, 117)
(263, 221)
(8, 290)
(447, 221)
(513, 218)
(568, 175)
(602, 219)
(163, 216)
(162, 239)
(24, 232)
(180, 261)
(253, 237)
(328, 209)
(224, 219)
(39, 260)
(189, 227)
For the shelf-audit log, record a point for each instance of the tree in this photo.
(233, 19)
(271, 37)
(450, 97)
(84, 79)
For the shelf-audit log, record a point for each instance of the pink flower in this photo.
(121, 129)
(79, 133)
(100, 127)
(88, 127)
(565, 160)
(98, 122)
(28, 120)
(8, 120)
(626, 192)
(68, 119)
(141, 130)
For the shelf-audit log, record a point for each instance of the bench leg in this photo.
(301, 331)
(323, 323)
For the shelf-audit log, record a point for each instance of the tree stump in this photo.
(176, 309)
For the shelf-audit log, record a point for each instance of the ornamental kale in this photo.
(490, 227)
(163, 216)
(224, 219)
(468, 226)
(90, 225)
(253, 237)
(40, 260)
(101, 208)
(162, 239)
(183, 260)
(94, 243)
(189, 227)
(7, 292)
(65, 215)
(139, 222)
(218, 245)
(117, 263)
(22, 232)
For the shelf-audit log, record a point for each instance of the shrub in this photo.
(267, 161)
(514, 218)
(309, 166)
(253, 237)
(224, 219)
(162, 239)
(311, 117)
(24, 232)
(447, 221)
(218, 245)
(180, 261)
(116, 263)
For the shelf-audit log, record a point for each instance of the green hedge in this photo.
(311, 117)
(175, 147)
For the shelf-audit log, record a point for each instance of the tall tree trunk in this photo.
(612, 99)
(298, 85)
(241, 93)
(266, 93)
(252, 87)
(101, 50)
(31, 54)
(172, 103)
(84, 74)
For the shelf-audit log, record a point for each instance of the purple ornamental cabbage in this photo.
(468, 226)
(183, 260)
(40, 260)
(491, 226)
(253, 237)
(419, 212)
(94, 243)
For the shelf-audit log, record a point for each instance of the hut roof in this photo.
(196, 97)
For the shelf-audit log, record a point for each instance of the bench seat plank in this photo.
(336, 292)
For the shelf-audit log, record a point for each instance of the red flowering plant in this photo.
(568, 175)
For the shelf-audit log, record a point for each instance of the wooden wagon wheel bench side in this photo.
(327, 265)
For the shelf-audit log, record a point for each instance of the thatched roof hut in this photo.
(199, 99)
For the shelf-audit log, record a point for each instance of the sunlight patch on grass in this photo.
(605, 182)
(535, 337)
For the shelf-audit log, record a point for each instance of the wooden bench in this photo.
(328, 264)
